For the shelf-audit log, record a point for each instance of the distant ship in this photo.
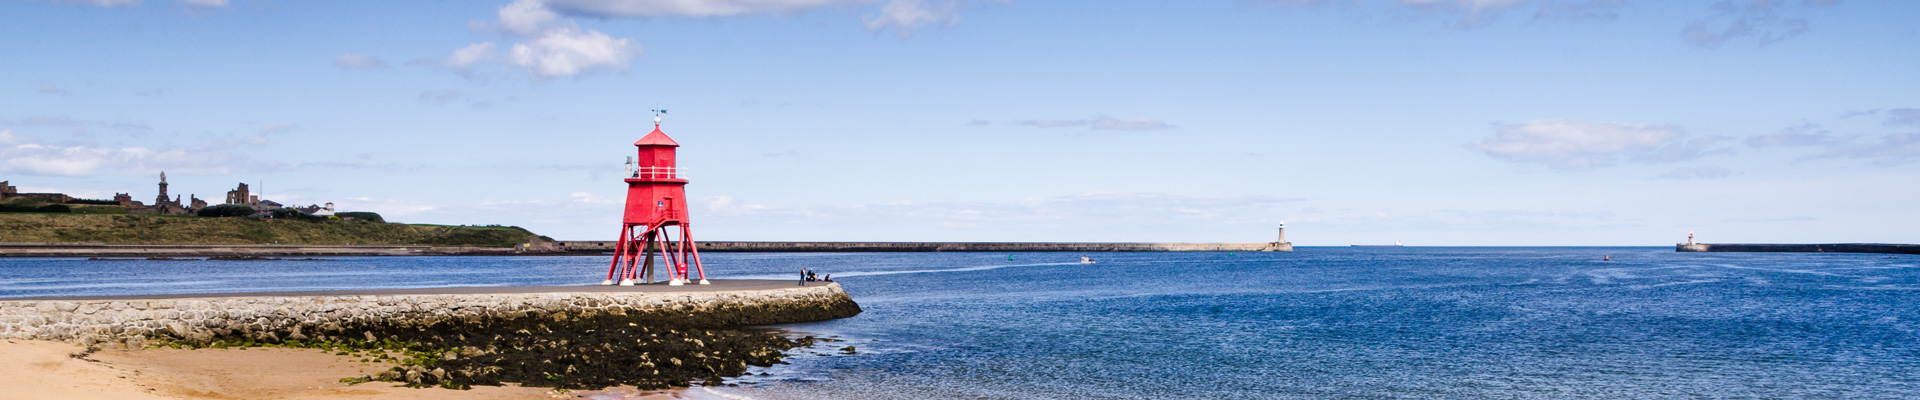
(1396, 243)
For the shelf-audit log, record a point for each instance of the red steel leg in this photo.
(617, 246)
(693, 249)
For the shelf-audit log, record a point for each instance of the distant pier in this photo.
(806, 247)
(1798, 248)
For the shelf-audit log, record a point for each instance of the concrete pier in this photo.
(373, 314)
(708, 247)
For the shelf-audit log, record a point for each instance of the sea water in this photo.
(1544, 323)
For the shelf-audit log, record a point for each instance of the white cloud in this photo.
(569, 52)
(35, 159)
(6, 137)
(356, 61)
(204, 3)
(904, 15)
(462, 60)
(387, 208)
(527, 17)
(556, 46)
(465, 57)
(1576, 144)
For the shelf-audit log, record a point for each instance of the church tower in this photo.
(163, 190)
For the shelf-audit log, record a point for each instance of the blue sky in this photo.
(1431, 122)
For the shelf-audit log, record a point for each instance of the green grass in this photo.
(180, 229)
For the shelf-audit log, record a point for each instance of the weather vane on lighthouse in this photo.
(656, 202)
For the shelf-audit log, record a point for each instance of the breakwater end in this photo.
(1884, 248)
(652, 336)
(802, 247)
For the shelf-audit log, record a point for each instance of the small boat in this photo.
(1396, 243)
(1085, 260)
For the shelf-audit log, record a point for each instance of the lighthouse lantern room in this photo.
(656, 205)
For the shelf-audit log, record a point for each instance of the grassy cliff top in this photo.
(164, 229)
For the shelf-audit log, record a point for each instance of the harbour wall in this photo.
(132, 321)
(1798, 248)
(580, 247)
(714, 247)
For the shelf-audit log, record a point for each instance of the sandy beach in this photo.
(31, 369)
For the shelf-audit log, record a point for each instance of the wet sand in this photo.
(31, 369)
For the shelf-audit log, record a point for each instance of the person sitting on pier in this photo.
(829, 278)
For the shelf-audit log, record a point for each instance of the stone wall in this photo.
(131, 321)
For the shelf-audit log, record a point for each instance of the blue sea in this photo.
(1547, 323)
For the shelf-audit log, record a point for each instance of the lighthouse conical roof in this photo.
(656, 138)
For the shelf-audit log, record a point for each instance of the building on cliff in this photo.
(161, 204)
(317, 210)
(240, 196)
(8, 191)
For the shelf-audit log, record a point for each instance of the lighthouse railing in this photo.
(657, 173)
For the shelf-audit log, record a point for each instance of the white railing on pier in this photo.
(656, 173)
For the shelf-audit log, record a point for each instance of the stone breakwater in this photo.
(575, 337)
(89, 321)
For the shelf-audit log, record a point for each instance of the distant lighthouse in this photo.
(1283, 244)
(656, 202)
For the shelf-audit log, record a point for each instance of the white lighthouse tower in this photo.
(1283, 244)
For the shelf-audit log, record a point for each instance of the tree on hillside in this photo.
(226, 210)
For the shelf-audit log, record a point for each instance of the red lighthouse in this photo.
(656, 202)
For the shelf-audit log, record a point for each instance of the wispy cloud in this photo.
(1903, 116)
(1575, 144)
(1128, 124)
(904, 16)
(132, 3)
(1894, 149)
(1098, 124)
(1797, 136)
(1684, 173)
(462, 61)
(1466, 14)
(357, 61)
(56, 160)
(51, 89)
(1767, 21)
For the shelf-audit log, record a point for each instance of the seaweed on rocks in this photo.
(580, 349)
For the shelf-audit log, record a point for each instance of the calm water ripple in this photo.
(1320, 322)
